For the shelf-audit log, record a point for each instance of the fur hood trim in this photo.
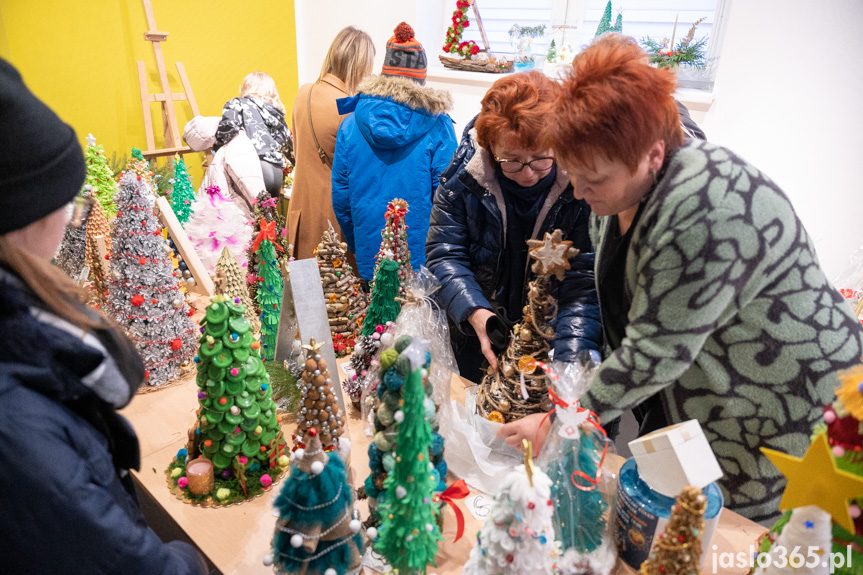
(407, 92)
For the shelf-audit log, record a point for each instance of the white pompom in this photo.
(401, 492)
(429, 527)
(317, 467)
(299, 453)
(399, 416)
(275, 512)
(331, 571)
(372, 532)
(296, 540)
(355, 526)
(387, 339)
(409, 537)
(268, 560)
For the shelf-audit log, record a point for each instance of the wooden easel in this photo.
(478, 20)
(173, 143)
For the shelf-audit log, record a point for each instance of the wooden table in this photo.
(237, 538)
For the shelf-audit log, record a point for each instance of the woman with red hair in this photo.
(501, 189)
(712, 298)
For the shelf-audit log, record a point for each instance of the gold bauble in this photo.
(504, 406)
(508, 370)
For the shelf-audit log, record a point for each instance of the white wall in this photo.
(788, 98)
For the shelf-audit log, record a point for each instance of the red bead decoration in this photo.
(510, 558)
(137, 300)
(143, 224)
(191, 312)
(223, 401)
(154, 301)
(549, 502)
(662, 568)
(176, 344)
(531, 505)
(142, 261)
(146, 374)
(313, 432)
(681, 538)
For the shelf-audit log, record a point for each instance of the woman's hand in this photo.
(478, 320)
(531, 427)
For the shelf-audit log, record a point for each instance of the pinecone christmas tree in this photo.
(100, 177)
(409, 532)
(394, 243)
(144, 294)
(183, 194)
(344, 299)
(235, 286)
(217, 223)
(677, 550)
(500, 396)
(318, 407)
(395, 367)
(318, 526)
(97, 226)
(518, 536)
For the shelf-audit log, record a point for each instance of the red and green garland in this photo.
(453, 44)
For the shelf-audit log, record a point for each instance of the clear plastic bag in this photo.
(850, 281)
(575, 457)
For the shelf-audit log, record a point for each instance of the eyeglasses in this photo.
(514, 166)
(78, 209)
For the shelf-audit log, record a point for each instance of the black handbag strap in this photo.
(325, 159)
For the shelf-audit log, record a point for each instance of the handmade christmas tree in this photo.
(551, 56)
(618, 23)
(184, 193)
(237, 427)
(395, 367)
(97, 226)
(394, 244)
(269, 292)
(100, 177)
(363, 362)
(409, 533)
(807, 528)
(345, 300)
(501, 394)
(235, 286)
(452, 43)
(318, 526)
(71, 256)
(217, 223)
(319, 409)
(141, 167)
(677, 550)
(518, 536)
(583, 505)
(605, 22)
(144, 294)
(266, 215)
(383, 306)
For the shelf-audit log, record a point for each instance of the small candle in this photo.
(200, 474)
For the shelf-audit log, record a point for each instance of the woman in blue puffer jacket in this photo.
(498, 192)
(394, 145)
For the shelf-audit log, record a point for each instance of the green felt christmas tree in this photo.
(618, 23)
(409, 533)
(605, 22)
(183, 194)
(268, 296)
(383, 306)
(100, 177)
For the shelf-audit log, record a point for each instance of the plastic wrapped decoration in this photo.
(850, 281)
(583, 488)
(363, 384)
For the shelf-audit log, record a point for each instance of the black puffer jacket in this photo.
(466, 244)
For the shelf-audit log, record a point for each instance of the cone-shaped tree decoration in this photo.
(184, 193)
(345, 300)
(100, 177)
(318, 529)
(235, 286)
(409, 532)
(217, 223)
(395, 366)
(367, 348)
(501, 394)
(394, 244)
(318, 409)
(141, 167)
(144, 294)
(97, 226)
(518, 536)
(605, 22)
(269, 294)
(383, 306)
(266, 215)
(677, 550)
(809, 528)
(71, 256)
(551, 55)
(618, 23)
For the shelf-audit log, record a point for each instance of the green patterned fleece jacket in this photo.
(732, 320)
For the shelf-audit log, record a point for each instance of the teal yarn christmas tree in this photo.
(409, 532)
(318, 526)
(268, 294)
(605, 22)
(618, 23)
(383, 306)
(183, 194)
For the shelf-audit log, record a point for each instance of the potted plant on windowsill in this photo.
(687, 52)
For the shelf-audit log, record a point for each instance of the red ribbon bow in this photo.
(268, 232)
(457, 490)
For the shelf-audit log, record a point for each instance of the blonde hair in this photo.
(351, 57)
(263, 87)
(54, 288)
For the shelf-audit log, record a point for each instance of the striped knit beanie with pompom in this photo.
(405, 56)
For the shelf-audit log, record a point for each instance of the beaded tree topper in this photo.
(520, 388)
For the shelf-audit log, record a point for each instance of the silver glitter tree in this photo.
(70, 256)
(144, 291)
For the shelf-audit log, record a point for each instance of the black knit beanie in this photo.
(41, 164)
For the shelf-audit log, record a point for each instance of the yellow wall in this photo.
(79, 57)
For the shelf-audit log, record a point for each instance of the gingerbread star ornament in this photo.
(552, 254)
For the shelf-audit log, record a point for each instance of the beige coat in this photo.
(311, 206)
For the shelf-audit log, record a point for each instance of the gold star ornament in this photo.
(552, 254)
(313, 347)
(814, 479)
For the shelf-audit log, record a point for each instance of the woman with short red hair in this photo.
(501, 189)
(712, 298)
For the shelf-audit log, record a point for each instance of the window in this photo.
(498, 16)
